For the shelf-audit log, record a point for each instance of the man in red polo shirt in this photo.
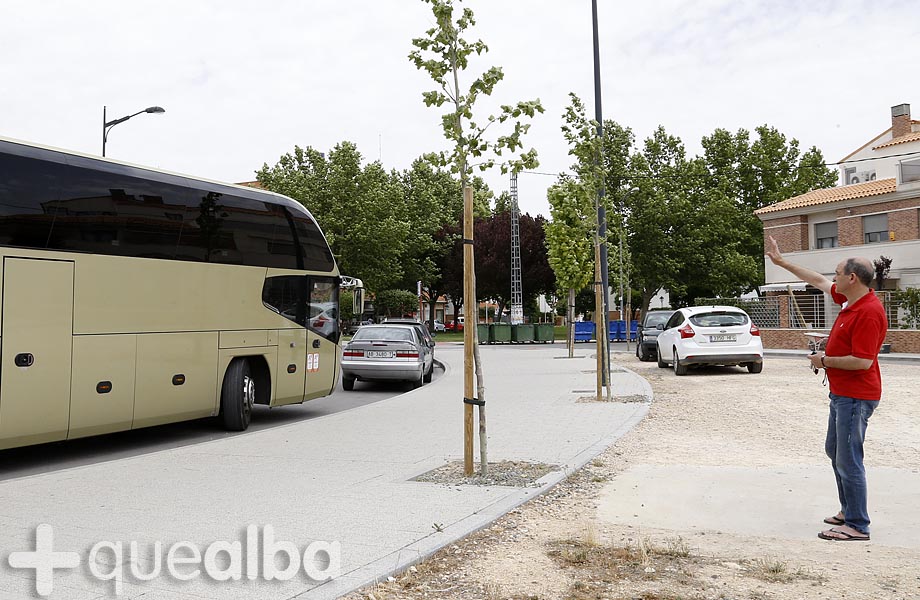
(851, 362)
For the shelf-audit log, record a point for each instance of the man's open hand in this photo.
(773, 251)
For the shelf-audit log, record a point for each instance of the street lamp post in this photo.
(604, 353)
(107, 125)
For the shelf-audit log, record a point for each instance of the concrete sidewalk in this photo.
(345, 477)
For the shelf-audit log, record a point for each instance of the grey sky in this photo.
(243, 82)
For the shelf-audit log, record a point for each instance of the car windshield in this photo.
(719, 319)
(654, 318)
(384, 333)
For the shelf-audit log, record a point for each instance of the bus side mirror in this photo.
(358, 301)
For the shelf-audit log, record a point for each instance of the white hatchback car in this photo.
(710, 335)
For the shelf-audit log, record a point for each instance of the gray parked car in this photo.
(646, 348)
(387, 352)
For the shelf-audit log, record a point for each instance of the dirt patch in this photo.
(556, 547)
(509, 472)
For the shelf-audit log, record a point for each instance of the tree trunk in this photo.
(570, 323)
(628, 314)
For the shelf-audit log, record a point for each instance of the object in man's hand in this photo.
(816, 342)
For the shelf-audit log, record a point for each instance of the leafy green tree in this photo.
(358, 208)
(909, 301)
(658, 229)
(432, 202)
(444, 54)
(395, 303)
(570, 251)
(493, 259)
(754, 174)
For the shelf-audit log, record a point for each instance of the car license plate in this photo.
(380, 354)
(723, 338)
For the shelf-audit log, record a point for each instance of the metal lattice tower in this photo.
(517, 300)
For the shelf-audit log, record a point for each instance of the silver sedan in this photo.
(387, 352)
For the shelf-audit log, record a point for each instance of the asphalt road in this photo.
(34, 460)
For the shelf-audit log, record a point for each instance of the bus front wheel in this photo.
(237, 396)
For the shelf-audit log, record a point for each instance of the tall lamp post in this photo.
(604, 369)
(107, 125)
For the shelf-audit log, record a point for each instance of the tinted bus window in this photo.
(28, 192)
(50, 200)
(287, 295)
(316, 253)
(115, 214)
(228, 229)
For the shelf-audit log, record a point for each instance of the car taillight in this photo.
(686, 332)
(407, 354)
(754, 330)
(353, 353)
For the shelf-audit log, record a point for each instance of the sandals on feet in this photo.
(835, 535)
(835, 520)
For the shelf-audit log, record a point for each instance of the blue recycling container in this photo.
(584, 331)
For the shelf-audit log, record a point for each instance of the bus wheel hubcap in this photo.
(249, 394)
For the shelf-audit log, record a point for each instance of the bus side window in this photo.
(323, 307)
(287, 295)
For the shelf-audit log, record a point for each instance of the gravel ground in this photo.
(556, 546)
(508, 473)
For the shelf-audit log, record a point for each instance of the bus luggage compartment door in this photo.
(35, 351)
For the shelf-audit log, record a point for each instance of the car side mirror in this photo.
(660, 326)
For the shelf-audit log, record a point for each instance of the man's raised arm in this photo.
(807, 275)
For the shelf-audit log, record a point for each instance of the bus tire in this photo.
(237, 395)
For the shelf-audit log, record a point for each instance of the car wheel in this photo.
(237, 395)
(642, 353)
(348, 383)
(679, 368)
(419, 382)
(427, 378)
(661, 363)
(755, 367)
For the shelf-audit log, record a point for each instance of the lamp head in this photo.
(155, 109)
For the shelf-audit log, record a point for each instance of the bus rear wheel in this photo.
(237, 395)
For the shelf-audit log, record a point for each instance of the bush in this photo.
(909, 301)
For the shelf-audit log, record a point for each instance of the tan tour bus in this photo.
(133, 297)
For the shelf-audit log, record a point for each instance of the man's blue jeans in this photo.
(846, 432)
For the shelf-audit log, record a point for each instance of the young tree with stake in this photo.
(444, 54)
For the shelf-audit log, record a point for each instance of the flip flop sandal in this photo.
(843, 536)
(834, 521)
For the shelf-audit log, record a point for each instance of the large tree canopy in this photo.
(358, 208)
(493, 259)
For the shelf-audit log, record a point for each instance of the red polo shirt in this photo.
(859, 331)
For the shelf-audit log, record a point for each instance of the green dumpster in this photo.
(482, 332)
(522, 333)
(499, 333)
(544, 332)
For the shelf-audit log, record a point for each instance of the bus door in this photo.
(322, 336)
(35, 350)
